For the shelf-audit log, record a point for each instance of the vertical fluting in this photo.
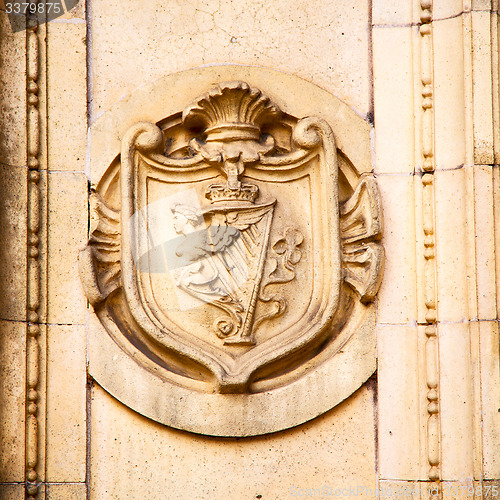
(33, 278)
(428, 166)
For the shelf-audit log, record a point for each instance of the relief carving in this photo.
(225, 250)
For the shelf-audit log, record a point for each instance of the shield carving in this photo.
(229, 257)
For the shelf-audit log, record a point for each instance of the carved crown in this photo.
(231, 111)
(222, 193)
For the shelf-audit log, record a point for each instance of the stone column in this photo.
(439, 63)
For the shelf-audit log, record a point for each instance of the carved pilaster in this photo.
(428, 166)
(33, 278)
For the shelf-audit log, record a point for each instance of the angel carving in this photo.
(219, 259)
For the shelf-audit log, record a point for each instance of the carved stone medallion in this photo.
(230, 257)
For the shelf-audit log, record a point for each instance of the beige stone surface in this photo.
(449, 93)
(398, 384)
(490, 397)
(482, 84)
(366, 441)
(222, 414)
(323, 42)
(496, 217)
(485, 241)
(68, 221)
(469, 490)
(12, 407)
(472, 268)
(450, 245)
(76, 14)
(12, 97)
(485, 5)
(394, 13)
(399, 490)
(495, 80)
(134, 457)
(456, 401)
(66, 492)
(66, 404)
(491, 489)
(13, 193)
(161, 98)
(42, 97)
(445, 9)
(67, 103)
(12, 492)
(397, 296)
(393, 95)
(477, 423)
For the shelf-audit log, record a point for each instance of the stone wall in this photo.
(410, 91)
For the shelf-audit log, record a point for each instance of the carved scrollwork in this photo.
(361, 230)
(227, 258)
(100, 260)
(287, 256)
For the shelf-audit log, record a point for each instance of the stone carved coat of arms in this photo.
(221, 250)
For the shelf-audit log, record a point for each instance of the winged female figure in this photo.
(215, 256)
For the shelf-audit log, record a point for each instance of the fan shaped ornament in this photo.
(229, 261)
